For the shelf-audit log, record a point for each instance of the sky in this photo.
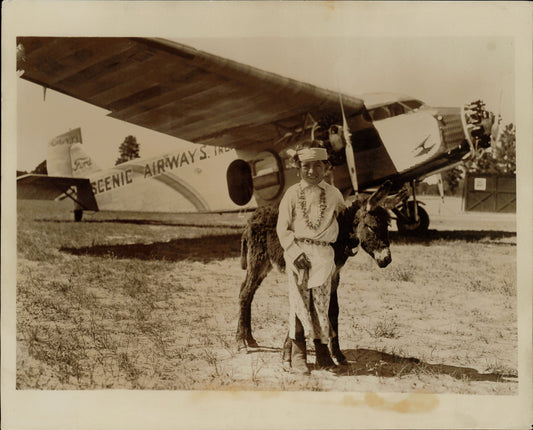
(441, 71)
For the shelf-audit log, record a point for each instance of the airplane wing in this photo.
(43, 187)
(177, 90)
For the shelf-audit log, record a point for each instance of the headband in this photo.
(312, 154)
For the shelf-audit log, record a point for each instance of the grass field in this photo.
(152, 304)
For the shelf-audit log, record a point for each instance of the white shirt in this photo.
(292, 224)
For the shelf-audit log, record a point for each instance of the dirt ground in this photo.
(140, 301)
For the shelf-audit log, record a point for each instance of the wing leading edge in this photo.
(177, 90)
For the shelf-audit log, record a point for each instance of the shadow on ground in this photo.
(219, 247)
(203, 249)
(197, 224)
(455, 235)
(375, 363)
(367, 362)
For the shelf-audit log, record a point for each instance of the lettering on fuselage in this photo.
(110, 182)
(185, 158)
(157, 167)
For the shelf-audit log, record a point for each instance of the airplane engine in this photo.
(478, 123)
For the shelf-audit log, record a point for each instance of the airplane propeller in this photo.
(350, 158)
(495, 130)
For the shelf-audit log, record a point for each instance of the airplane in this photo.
(186, 180)
(244, 123)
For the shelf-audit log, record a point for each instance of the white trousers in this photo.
(311, 305)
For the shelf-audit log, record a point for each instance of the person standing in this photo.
(306, 227)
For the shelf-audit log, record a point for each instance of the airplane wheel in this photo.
(409, 226)
(78, 214)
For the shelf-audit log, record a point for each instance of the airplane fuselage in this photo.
(190, 180)
(402, 148)
(201, 178)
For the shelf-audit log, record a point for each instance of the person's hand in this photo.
(302, 262)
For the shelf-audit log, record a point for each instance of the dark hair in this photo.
(308, 144)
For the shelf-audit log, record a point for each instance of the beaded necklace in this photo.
(303, 204)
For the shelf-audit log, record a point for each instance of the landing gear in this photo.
(411, 218)
(78, 215)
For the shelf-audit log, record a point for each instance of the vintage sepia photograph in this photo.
(284, 215)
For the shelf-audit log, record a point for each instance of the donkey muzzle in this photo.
(383, 257)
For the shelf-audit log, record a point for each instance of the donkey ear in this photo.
(379, 196)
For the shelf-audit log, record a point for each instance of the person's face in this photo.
(312, 171)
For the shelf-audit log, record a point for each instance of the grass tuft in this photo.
(400, 274)
(387, 328)
(496, 367)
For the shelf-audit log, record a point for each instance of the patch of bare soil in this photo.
(136, 306)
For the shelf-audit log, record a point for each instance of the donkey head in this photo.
(371, 224)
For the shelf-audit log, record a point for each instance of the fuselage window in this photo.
(240, 185)
(267, 175)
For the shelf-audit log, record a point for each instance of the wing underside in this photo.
(177, 90)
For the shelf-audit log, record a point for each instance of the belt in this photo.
(312, 241)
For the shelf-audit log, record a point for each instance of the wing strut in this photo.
(72, 194)
(81, 195)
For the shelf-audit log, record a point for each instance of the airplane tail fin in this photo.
(67, 158)
(82, 164)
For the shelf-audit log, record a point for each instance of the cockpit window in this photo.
(380, 113)
(413, 104)
(394, 109)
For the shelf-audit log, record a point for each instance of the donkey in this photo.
(362, 224)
